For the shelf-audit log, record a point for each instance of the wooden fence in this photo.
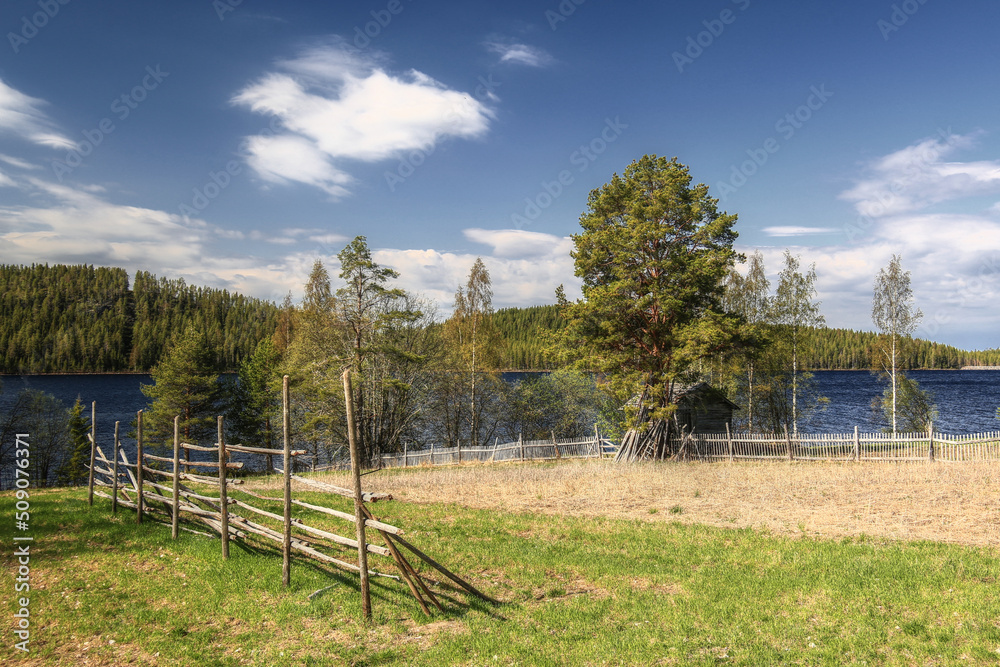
(518, 450)
(929, 446)
(159, 487)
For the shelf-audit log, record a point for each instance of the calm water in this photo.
(967, 400)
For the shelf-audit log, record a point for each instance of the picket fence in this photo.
(856, 446)
(518, 450)
(929, 446)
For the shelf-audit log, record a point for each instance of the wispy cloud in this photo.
(335, 107)
(919, 176)
(516, 53)
(21, 115)
(798, 231)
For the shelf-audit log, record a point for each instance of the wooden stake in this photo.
(404, 454)
(442, 569)
(729, 442)
(175, 515)
(366, 602)
(857, 445)
(93, 445)
(222, 491)
(286, 544)
(930, 436)
(138, 468)
(114, 474)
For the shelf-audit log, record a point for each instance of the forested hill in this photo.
(68, 319)
(524, 331)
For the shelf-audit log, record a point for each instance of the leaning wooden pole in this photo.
(223, 500)
(114, 474)
(93, 451)
(175, 513)
(138, 467)
(286, 545)
(359, 506)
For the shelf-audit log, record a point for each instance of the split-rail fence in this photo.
(162, 488)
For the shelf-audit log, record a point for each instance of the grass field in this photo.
(597, 564)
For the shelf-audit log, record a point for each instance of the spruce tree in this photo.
(185, 385)
(73, 470)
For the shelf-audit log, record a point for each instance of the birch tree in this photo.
(795, 311)
(896, 317)
(749, 297)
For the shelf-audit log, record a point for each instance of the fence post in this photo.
(493, 455)
(460, 451)
(556, 445)
(597, 441)
(856, 455)
(114, 474)
(520, 440)
(93, 452)
(359, 507)
(404, 454)
(138, 467)
(175, 514)
(930, 436)
(432, 453)
(788, 443)
(223, 498)
(286, 542)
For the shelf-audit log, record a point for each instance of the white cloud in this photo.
(917, 176)
(797, 231)
(18, 162)
(335, 106)
(21, 115)
(513, 243)
(954, 262)
(519, 54)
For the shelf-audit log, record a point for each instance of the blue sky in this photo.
(232, 143)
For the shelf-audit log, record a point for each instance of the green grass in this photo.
(577, 592)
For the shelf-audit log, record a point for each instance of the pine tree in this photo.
(185, 385)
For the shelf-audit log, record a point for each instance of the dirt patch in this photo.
(955, 503)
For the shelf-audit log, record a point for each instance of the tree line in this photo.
(528, 335)
(85, 319)
(416, 379)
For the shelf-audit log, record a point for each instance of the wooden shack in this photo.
(702, 408)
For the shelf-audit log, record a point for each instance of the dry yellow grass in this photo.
(956, 503)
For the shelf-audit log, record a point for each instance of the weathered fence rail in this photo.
(518, 450)
(206, 500)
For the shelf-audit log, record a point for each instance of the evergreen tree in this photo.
(653, 255)
(75, 469)
(256, 399)
(185, 384)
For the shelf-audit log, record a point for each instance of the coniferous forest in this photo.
(85, 319)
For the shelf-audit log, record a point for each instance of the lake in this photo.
(967, 400)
